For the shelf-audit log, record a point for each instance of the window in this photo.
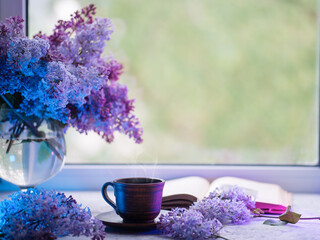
(214, 81)
(295, 178)
(257, 104)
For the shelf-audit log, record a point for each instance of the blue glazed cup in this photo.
(138, 200)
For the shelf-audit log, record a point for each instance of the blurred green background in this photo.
(215, 81)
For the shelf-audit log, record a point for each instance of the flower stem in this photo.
(51, 144)
(218, 236)
(307, 218)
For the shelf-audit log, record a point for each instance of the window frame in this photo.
(294, 178)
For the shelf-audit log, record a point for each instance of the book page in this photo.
(196, 186)
(262, 192)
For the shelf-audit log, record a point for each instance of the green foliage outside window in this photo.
(217, 81)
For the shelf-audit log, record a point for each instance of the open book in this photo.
(270, 198)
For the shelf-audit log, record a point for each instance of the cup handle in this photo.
(106, 197)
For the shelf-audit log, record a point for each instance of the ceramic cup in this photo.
(137, 199)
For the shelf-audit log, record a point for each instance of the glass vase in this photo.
(32, 150)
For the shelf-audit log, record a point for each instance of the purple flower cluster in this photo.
(236, 194)
(231, 205)
(188, 224)
(205, 218)
(113, 109)
(45, 214)
(64, 76)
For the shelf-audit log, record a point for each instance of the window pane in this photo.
(231, 82)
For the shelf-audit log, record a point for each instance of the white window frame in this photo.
(10, 8)
(304, 179)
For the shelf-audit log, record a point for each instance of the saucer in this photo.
(111, 219)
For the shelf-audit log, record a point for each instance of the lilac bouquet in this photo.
(46, 214)
(63, 77)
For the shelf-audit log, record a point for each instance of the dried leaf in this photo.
(272, 222)
(290, 217)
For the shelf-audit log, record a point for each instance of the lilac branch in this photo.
(268, 216)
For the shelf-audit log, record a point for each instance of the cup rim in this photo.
(121, 181)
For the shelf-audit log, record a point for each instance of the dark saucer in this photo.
(111, 219)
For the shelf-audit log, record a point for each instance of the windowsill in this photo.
(305, 204)
(92, 177)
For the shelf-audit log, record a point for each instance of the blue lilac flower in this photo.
(46, 214)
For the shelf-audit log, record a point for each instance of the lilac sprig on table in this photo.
(46, 214)
(65, 77)
(188, 224)
(205, 218)
(228, 206)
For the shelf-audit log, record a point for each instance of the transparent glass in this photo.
(215, 81)
(28, 160)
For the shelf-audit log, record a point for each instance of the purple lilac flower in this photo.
(64, 76)
(205, 218)
(65, 29)
(114, 70)
(88, 44)
(23, 52)
(11, 28)
(231, 205)
(188, 224)
(106, 111)
(225, 210)
(45, 214)
(234, 193)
